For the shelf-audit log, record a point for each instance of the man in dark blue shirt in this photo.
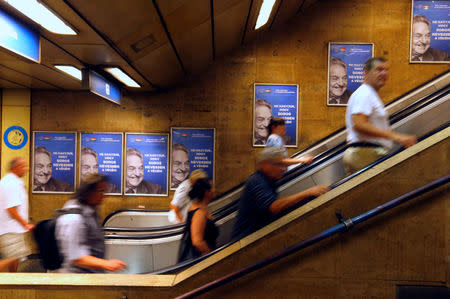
(259, 203)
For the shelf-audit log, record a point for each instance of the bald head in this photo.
(18, 166)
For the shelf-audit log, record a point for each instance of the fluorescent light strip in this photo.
(264, 13)
(41, 15)
(122, 77)
(70, 70)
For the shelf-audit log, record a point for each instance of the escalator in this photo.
(148, 251)
(156, 220)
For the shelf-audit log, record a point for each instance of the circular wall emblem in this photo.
(15, 137)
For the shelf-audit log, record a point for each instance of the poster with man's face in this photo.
(345, 70)
(102, 153)
(191, 149)
(430, 31)
(274, 100)
(54, 162)
(146, 164)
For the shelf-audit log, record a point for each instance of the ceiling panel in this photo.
(287, 10)
(95, 54)
(187, 16)
(189, 25)
(52, 54)
(138, 27)
(18, 77)
(162, 65)
(116, 18)
(229, 22)
(143, 41)
(221, 6)
(195, 48)
(307, 4)
(5, 83)
(42, 73)
(85, 34)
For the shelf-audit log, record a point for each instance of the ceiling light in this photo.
(264, 13)
(122, 77)
(70, 70)
(41, 15)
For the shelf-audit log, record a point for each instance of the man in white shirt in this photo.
(368, 131)
(181, 202)
(13, 216)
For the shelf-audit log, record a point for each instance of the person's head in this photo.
(263, 115)
(18, 166)
(180, 162)
(338, 77)
(135, 167)
(376, 72)
(89, 162)
(197, 174)
(91, 191)
(421, 35)
(42, 165)
(277, 125)
(202, 191)
(270, 162)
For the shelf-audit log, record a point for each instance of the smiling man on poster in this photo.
(89, 165)
(135, 175)
(421, 42)
(42, 179)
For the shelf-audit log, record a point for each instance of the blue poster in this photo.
(54, 162)
(430, 31)
(191, 149)
(102, 153)
(271, 100)
(146, 164)
(346, 70)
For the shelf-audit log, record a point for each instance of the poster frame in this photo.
(171, 146)
(167, 164)
(74, 161)
(411, 41)
(296, 111)
(121, 160)
(328, 67)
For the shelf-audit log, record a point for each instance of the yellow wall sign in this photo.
(15, 137)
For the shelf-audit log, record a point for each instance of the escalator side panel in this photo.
(140, 261)
(138, 219)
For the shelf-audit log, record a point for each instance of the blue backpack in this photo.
(44, 235)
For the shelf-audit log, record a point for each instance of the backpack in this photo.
(44, 234)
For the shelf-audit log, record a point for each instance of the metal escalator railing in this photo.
(344, 226)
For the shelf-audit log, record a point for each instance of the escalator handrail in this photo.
(344, 226)
(421, 101)
(143, 229)
(132, 210)
(315, 143)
